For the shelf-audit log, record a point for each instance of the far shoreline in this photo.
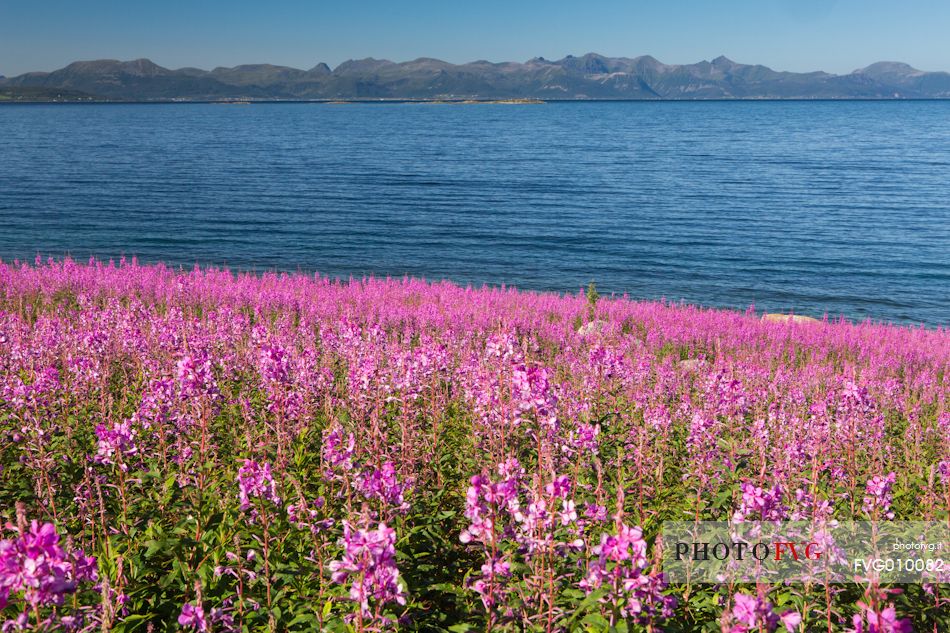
(463, 101)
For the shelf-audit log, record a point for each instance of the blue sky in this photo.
(799, 35)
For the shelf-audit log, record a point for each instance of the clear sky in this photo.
(799, 35)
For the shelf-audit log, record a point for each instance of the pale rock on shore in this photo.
(778, 317)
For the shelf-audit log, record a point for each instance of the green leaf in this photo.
(592, 599)
(596, 622)
(304, 618)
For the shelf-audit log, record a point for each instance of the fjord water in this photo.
(817, 207)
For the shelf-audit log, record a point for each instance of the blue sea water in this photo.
(818, 207)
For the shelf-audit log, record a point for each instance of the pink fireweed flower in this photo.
(619, 565)
(490, 586)
(306, 516)
(791, 620)
(255, 481)
(373, 483)
(155, 408)
(605, 364)
(855, 399)
(223, 620)
(535, 523)
(705, 456)
(85, 371)
(477, 511)
(47, 381)
(595, 513)
(274, 367)
(495, 513)
(195, 377)
(568, 512)
(533, 393)
(729, 395)
(751, 614)
(560, 487)
(274, 364)
(657, 418)
(337, 450)
(868, 621)
(759, 504)
(192, 617)
(22, 395)
(808, 508)
(584, 439)
(628, 544)
(511, 471)
(369, 561)
(411, 371)
(381, 483)
(116, 443)
(943, 469)
(33, 563)
(877, 499)
(503, 346)
(486, 500)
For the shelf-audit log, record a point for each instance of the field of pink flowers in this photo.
(202, 451)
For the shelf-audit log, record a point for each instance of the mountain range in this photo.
(589, 76)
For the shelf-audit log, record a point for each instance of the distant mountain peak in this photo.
(143, 62)
(191, 70)
(888, 68)
(367, 64)
(139, 67)
(589, 63)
